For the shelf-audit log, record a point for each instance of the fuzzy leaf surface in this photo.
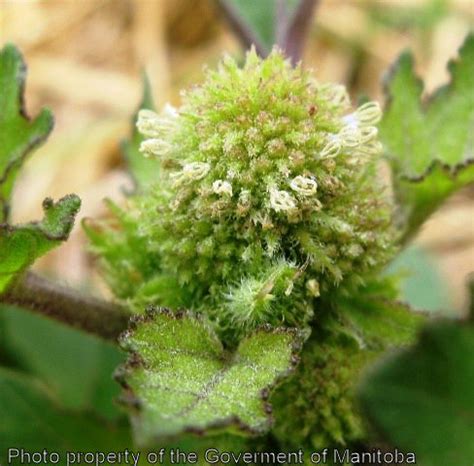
(182, 380)
(429, 144)
(127, 263)
(21, 245)
(383, 323)
(374, 317)
(422, 398)
(18, 135)
(144, 170)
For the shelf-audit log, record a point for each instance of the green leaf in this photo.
(423, 195)
(21, 245)
(123, 253)
(430, 146)
(381, 324)
(375, 319)
(18, 135)
(422, 399)
(261, 19)
(182, 380)
(75, 366)
(409, 16)
(143, 170)
(31, 419)
(421, 284)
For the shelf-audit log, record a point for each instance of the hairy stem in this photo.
(37, 294)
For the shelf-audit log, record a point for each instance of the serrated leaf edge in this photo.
(450, 170)
(135, 361)
(48, 202)
(18, 159)
(407, 56)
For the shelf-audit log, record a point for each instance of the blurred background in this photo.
(85, 60)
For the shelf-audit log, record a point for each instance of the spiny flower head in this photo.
(267, 195)
(265, 144)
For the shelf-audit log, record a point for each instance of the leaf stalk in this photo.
(40, 295)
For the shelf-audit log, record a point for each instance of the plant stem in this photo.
(297, 30)
(470, 289)
(37, 294)
(290, 29)
(243, 31)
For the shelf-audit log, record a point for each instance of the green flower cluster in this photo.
(267, 198)
(321, 412)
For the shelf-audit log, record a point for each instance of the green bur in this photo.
(265, 199)
(265, 212)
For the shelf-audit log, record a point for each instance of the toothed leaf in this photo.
(430, 146)
(21, 245)
(423, 195)
(18, 135)
(182, 379)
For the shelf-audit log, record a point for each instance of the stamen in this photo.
(155, 147)
(369, 114)
(222, 187)
(303, 185)
(191, 172)
(332, 148)
(282, 201)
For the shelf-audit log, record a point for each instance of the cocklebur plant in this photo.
(260, 222)
(266, 210)
(266, 196)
